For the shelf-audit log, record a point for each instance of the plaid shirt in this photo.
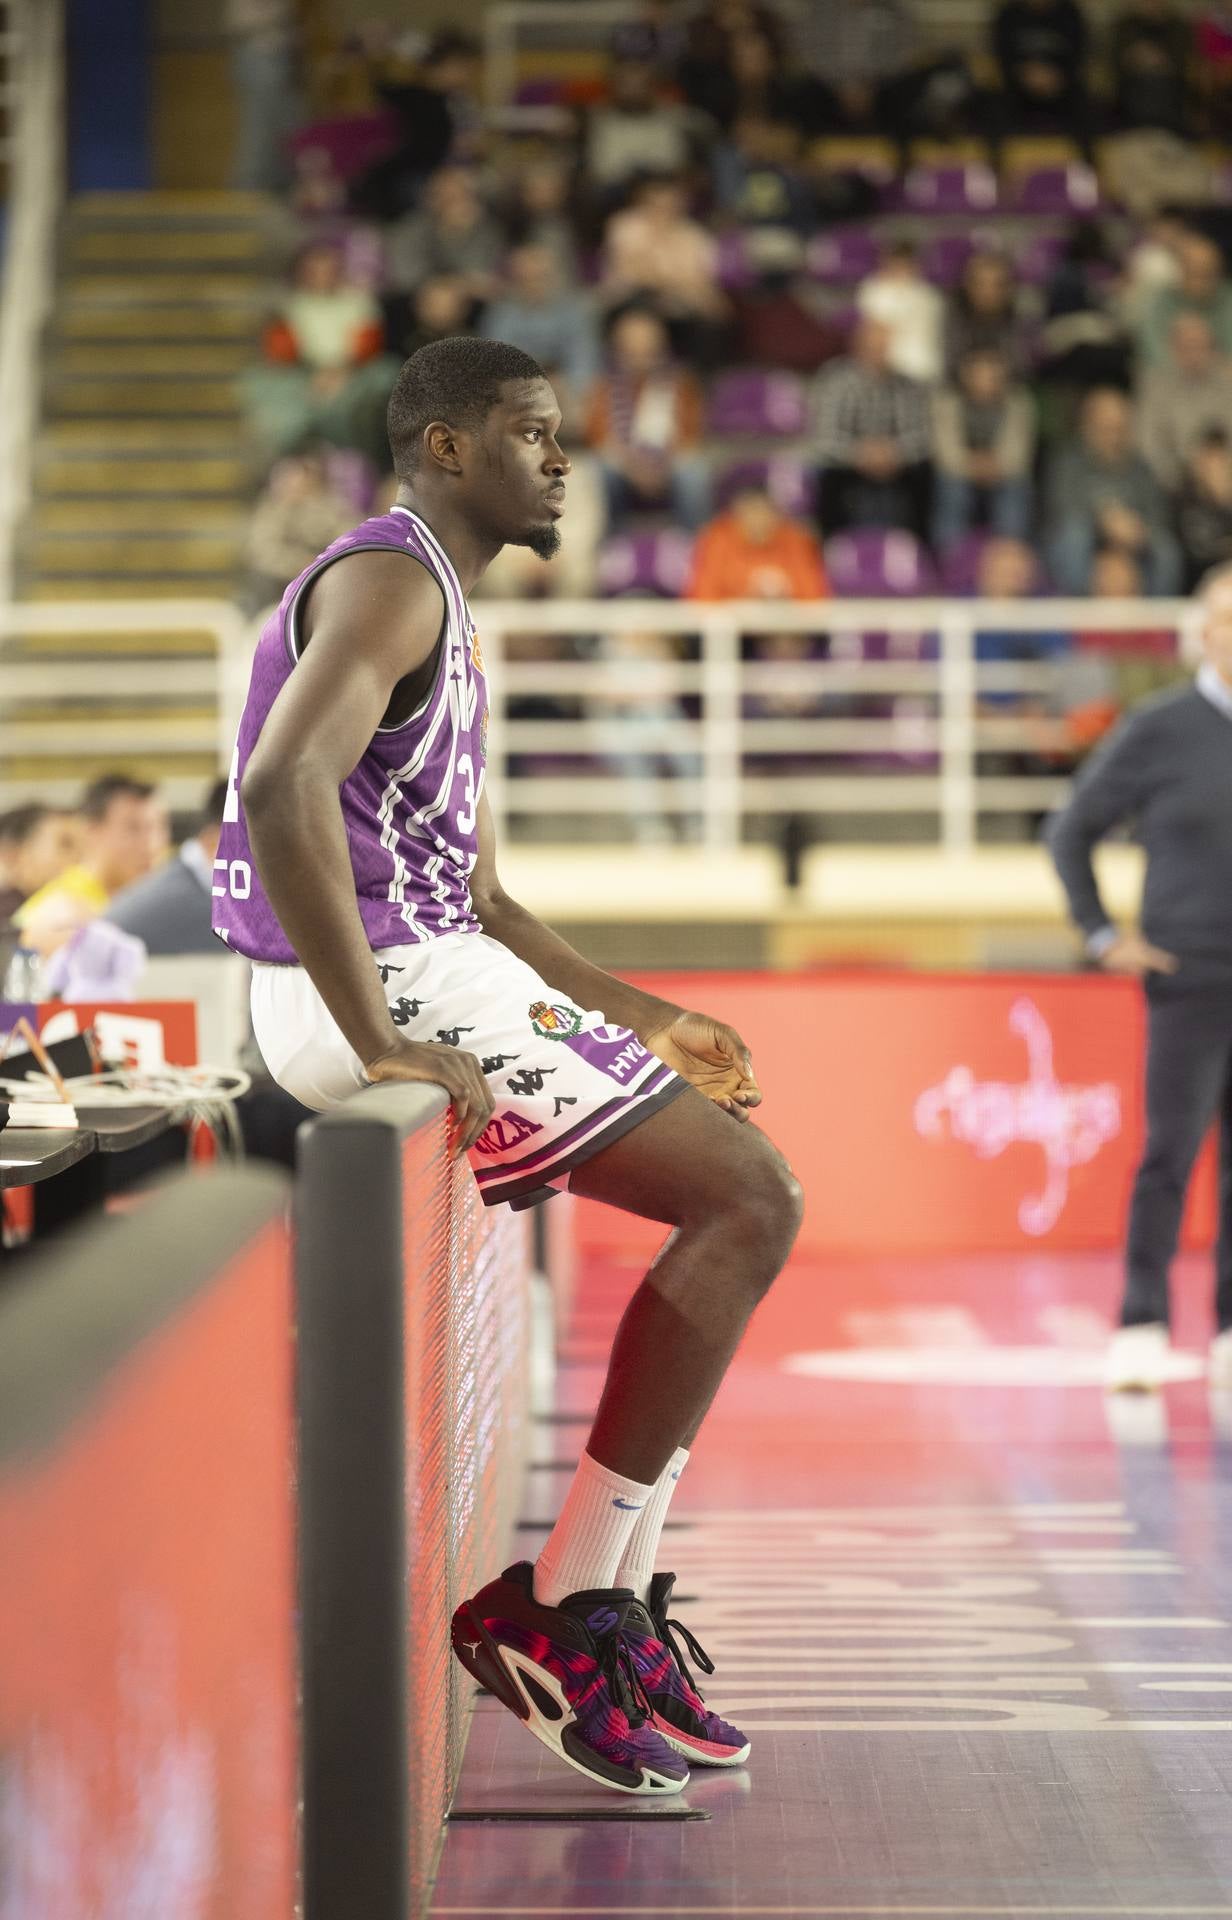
(854, 404)
(862, 44)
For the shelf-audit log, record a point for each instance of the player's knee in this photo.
(767, 1207)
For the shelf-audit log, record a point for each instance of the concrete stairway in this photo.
(143, 477)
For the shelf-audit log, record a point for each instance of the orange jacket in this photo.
(726, 566)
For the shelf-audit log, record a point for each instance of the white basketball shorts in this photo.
(565, 1082)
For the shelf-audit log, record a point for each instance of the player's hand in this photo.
(711, 1057)
(459, 1073)
(1130, 953)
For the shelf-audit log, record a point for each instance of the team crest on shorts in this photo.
(559, 1022)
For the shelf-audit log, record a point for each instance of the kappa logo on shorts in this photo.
(403, 1011)
(529, 1080)
(493, 1062)
(557, 1022)
(452, 1036)
(562, 1100)
(385, 970)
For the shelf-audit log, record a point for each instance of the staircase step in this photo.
(205, 248)
(169, 289)
(108, 438)
(190, 476)
(96, 733)
(207, 204)
(113, 649)
(195, 320)
(152, 586)
(142, 359)
(155, 515)
(156, 397)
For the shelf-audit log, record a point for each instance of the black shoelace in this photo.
(619, 1669)
(669, 1630)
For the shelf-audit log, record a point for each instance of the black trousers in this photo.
(1188, 1085)
(848, 498)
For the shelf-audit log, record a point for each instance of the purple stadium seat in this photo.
(842, 257)
(646, 562)
(1064, 190)
(1039, 257)
(353, 143)
(960, 565)
(735, 267)
(546, 91)
(788, 481)
(770, 405)
(944, 256)
(878, 563)
(965, 189)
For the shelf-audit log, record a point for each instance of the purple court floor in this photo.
(975, 1616)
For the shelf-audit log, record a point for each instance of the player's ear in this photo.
(441, 444)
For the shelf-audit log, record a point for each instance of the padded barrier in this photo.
(148, 1752)
(414, 1308)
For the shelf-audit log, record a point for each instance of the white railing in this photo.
(690, 729)
(35, 30)
(653, 737)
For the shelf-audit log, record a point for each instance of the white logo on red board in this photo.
(1069, 1124)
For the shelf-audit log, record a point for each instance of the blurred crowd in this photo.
(835, 308)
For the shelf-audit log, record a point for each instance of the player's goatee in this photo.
(543, 541)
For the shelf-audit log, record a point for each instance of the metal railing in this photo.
(35, 59)
(721, 758)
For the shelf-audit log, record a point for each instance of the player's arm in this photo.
(375, 618)
(704, 1051)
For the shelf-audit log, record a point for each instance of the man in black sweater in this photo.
(1168, 769)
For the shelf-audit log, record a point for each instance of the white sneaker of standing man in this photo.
(1138, 1359)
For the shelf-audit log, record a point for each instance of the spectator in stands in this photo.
(37, 843)
(858, 51)
(760, 82)
(438, 116)
(653, 35)
(985, 310)
(323, 378)
(704, 71)
(298, 514)
(451, 234)
(169, 909)
(645, 423)
(909, 308)
(636, 131)
(555, 326)
(438, 307)
(1201, 287)
(754, 551)
(124, 836)
(778, 322)
(540, 214)
(1041, 48)
(874, 440)
(1101, 493)
(1204, 505)
(1150, 57)
(1083, 342)
(262, 35)
(1213, 36)
(759, 182)
(654, 250)
(1182, 398)
(983, 447)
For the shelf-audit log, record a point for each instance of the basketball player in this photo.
(357, 870)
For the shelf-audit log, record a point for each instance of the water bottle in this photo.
(23, 980)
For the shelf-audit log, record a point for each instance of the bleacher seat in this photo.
(842, 257)
(878, 563)
(946, 189)
(787, 479)
(1057, 190)
(648, 561)
(748, 403)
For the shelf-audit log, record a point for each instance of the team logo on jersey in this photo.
(477, 653)
(557, 1022)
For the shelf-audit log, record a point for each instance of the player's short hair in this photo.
(458, 380)
(100, 793)
(19, 824)
(214, 806)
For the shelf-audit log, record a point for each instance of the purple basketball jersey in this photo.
(409, 806)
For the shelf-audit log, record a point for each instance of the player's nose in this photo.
(557, 462)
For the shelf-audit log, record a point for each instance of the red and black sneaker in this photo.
(677, 1707)
(568, 1673)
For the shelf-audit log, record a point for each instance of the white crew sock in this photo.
(637, 1563)
(587, 1543)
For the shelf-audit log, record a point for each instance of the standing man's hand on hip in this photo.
(1131, 953)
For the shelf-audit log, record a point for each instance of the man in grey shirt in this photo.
(1168, 769)
(170, 908)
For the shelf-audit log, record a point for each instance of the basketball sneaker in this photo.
(677, 1707)
(568, 1673)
